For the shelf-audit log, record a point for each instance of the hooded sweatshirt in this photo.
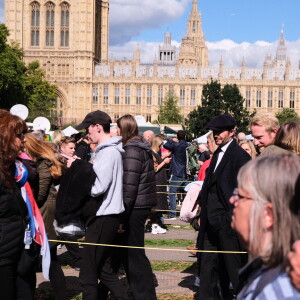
(109, 176)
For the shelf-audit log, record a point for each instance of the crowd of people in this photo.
(106, 182)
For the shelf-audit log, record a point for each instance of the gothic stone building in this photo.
(70, 40)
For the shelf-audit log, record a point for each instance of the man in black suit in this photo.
(218, 270)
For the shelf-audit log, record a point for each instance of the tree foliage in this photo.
(287, 115)
(169, 112)
(211, 107)
(215, 101)
(233, 103)
(40, 94)
(21, 84)
(12, 69)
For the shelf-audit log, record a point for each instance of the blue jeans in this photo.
(175, 183)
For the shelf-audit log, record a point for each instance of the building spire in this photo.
(195, 6)
(193, 50)
(281, 51)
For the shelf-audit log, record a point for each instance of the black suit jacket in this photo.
(224, 180)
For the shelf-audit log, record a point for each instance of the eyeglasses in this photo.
(237, 197)
(21, 135)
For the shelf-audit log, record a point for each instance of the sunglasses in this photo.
(21, 135)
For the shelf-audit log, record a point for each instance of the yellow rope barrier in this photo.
(147, 248)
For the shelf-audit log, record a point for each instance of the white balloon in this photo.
(20, 110)
(41, 123)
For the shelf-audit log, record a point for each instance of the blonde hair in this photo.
(272, 179)
(57, 136)
(36, 148)
(267, 120)
(251, 146)
(156, 142)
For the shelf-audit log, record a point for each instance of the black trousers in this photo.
(56, 275)
(136, 263)
(74, 251)
(95, 263)
(8, 282)
(218, 270)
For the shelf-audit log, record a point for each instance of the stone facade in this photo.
(70, 40)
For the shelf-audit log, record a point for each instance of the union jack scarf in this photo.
(36, 224)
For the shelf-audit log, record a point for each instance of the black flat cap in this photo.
(93, 118)
(222, 122)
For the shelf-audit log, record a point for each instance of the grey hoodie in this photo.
(108, 167)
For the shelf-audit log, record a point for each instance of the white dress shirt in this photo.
(221, 153)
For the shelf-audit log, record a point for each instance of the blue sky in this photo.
(233, 28)
(238, 20)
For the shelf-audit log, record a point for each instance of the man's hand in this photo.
(121, 229)
(294, 269)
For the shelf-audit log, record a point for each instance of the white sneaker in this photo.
(157, 229)
(197, 281)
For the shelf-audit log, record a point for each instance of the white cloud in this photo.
(128, 17)
(231, 52)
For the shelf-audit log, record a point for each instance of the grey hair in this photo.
(203, 147)
(272, 179)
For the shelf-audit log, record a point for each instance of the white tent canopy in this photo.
(70, 130)
(203, 139)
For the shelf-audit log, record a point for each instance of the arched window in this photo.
(64, 25)
(50, 14)
(35, 24)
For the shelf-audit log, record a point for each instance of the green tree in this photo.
(212, 106)
(12, 69)
(233, 103)
(40, 93)
(287, 115)
(21, 84)
(169, 112)
(216, 101)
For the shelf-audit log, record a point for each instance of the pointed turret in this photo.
(167, 52)
(221, 68)
(137, 55)
(281, 51)
(193, 50)
(243, 70)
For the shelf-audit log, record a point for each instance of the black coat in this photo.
(139, 187)
(161, 185)
(13, 212)
(74, 191)
(224, 180)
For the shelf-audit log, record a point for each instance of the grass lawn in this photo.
(174, 266)
(169, 243)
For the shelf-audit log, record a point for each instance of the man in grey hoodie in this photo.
(107, 191)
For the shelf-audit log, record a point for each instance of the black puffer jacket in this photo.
(13, 211)
(139, 186)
